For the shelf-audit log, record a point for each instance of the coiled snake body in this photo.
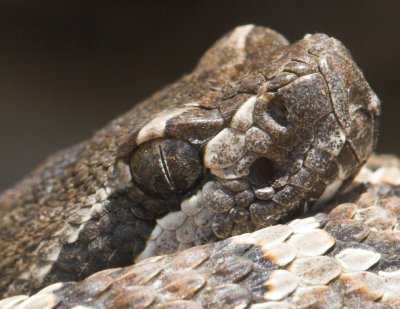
(259, 133)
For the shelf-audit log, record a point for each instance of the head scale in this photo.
(275, 131)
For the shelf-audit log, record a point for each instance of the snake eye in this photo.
(166, 168)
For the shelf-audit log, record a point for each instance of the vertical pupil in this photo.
(165, 168)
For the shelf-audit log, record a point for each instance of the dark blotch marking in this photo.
(113, 240)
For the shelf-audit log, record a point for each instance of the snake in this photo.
(241, 185)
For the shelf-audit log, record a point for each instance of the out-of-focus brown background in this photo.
(68, 67)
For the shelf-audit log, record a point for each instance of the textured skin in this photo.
(259, 130)
(348, 258)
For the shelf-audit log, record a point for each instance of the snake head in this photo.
(260, 129)
(255, 137)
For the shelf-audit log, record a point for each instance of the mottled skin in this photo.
(313, 122)
(345, 259)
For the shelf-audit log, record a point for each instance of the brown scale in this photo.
(95, 206)
(245, 270)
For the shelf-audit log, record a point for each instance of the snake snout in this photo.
(355, 105)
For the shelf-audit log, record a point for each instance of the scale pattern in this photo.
(260, 131)
(347, 258)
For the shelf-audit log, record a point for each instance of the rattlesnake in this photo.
(262, 131)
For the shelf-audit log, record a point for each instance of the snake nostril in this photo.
(278, 111)
(262, 172)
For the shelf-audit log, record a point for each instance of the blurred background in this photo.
(68, 67)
